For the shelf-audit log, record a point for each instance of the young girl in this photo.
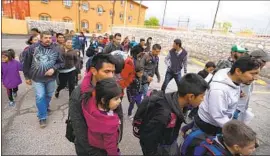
(103, 123)
(10, 74)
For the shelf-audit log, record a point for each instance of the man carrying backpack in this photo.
(161, 115)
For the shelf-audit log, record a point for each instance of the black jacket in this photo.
(154, 131)
(136, 50)
(203, 73)
(80, 128)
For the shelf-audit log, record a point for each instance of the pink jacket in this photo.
(102, 128)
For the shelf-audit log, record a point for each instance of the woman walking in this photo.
(68, 73)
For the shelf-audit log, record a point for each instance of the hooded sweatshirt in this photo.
(102, 128)
(165, 119)
(220, 101)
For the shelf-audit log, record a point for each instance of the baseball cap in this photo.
(260, 54)
(239, 49)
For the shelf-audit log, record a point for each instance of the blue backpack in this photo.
(198, 143)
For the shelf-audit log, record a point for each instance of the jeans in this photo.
(168, 77)
(132, 100)
(145, 89)
(44, 92)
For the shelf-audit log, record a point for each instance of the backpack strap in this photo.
(189, 139)
(209, 146)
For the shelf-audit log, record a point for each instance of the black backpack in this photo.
(141, 113)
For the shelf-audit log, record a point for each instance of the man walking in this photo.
(150, 62)
(115, 45)
(40, 65)
(175, 60)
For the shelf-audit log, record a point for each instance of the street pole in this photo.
(139, 13)
(113, 14)
(164, 14)
(125, 16)
(215, 17)
(79, 14)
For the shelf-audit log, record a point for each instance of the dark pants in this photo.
(206, 127)
(10, 93)
(119, 111)
(168, 77)
(132, 100)
(162, 150)
(83, 49)
(65, 78)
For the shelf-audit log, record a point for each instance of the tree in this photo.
(226, 26)
(152, 21)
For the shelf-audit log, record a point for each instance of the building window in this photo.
(122, 3)
(67, 19)
(131, 6)
(85, 6)
(44, 1)
(100, 10)
(44, 17)
(84, 24)
(8, 1)
(99, 27)
(121, 16)
(67, 3)
(111, 13)
(130, 18)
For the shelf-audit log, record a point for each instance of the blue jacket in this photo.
(76, 42)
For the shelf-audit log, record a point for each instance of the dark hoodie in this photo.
(165, 119)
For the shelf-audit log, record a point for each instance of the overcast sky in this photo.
(242, 14)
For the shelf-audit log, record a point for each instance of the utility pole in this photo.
(183, 21)
(79, 15)
(125, 15)
(138, 21)
(164, 14)
(215, 17)
(113, 14)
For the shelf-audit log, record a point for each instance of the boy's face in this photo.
(210, 69)
(247, 77)
(193, 100)
(247, 150)
(139, 74)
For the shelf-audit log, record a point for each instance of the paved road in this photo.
(22, 135)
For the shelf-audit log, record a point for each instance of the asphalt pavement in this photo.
(21, 134)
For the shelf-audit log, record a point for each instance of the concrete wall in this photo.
(13, 26)
(49, 25)
(199, 45)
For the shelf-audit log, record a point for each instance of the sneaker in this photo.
(42, 123)
(11, 104)
(56, 94)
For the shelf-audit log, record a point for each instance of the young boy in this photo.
(134, 90)
(209, 68)
(236, 139)
(164, 115)
(206, 73)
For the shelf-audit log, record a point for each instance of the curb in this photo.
(259, 81)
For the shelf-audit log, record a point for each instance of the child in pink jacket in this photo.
(103, 123)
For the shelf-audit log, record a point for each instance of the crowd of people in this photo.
(216, 99)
